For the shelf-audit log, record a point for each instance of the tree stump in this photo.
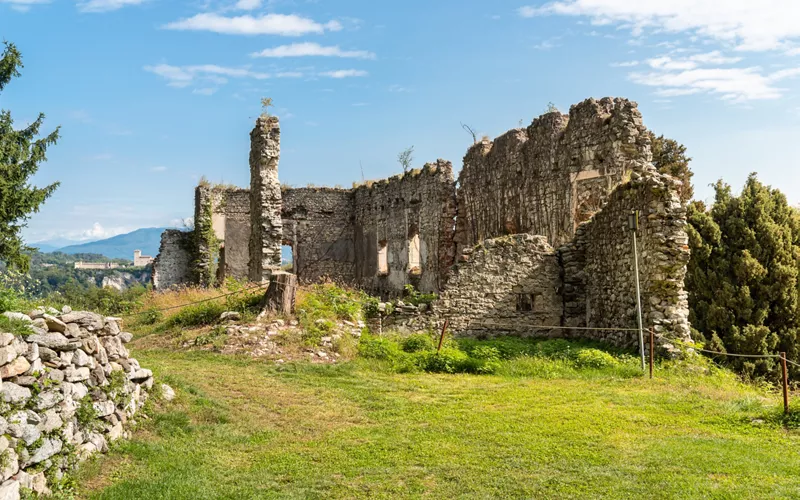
(281, 292)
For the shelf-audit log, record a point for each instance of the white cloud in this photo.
(750, 25)
(290, 74)
(184, 76)
(397, 88)
(625, 64)
(23, 5)
(731, 84)
(312, 49)
(248, 4)
(158, 169)
(204, 91)
(344, 73)
(268, 24)
(691, 62)
(98, 232)
(106, 5)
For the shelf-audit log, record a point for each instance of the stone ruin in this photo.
(533, 233)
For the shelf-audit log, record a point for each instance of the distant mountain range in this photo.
(148, 240)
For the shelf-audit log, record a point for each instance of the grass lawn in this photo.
(249, 429)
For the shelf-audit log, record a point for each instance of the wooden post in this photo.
(441, 337)
(652, 350)
(785, 384)
(279, 297)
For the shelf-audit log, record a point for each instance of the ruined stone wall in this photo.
(209, 229)
(392, 211)
(265, 199)
(551, 176)
(69, 389)
(599, 287)
(235, 258)
(504, 286)
(318, 225)
(173, 266)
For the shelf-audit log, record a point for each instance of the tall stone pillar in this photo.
(265, 199)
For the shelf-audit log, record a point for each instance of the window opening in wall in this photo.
(383, 257)
(525, 301)
(287, 258)
(414, 264)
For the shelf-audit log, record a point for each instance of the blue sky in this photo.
(152, 94)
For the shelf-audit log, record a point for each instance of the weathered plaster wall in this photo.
(318, 225)
(393, 210)
(599, 289)
(551, 176)
(265, 199)
(236, 252)
(173, 266)
(504, 286)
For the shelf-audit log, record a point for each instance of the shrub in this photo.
(205, 313)
(379, 348)
(417, 342)
(594, 358)
(446, 361)
(414, 297)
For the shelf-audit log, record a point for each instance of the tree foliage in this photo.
(743, 274)
(669, 157)
(21, 152)
(405, 158)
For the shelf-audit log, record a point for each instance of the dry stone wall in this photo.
(551, 176)
(68, 389)
(318, 225)
(265, 199)
(173, 265)
(504, 286)
(599, 286)
(391, 213)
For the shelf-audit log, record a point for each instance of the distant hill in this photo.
(54, 244)
(148, 240)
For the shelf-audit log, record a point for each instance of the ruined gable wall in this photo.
(548, 178)
(318, 224)
(265, 200)
(172, 266)
(483, 294)
(420, 202)
(599, 289)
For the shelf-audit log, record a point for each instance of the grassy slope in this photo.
(245, 429)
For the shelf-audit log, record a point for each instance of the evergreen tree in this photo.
(21, 152)
(743, 274)
(669, 157)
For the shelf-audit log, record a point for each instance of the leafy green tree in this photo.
(744, 291)
(21, 152)
(669, 157)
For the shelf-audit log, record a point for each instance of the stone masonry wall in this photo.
(550, 177)
(209, 230)
(504, 286)
(421, 202)
(265, 199)
(599, 289)
(235, 259)
(318, 225)
(173, 265)
(68, 390)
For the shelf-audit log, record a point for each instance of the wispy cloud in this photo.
(184, 76)
(106, 5)
(23, 5)
(312, 49)
(344, 73)
(158, 169)
(204, 91)
(753, 26)
(248, 4)
(268, 24)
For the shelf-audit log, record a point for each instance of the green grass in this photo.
(541, 427)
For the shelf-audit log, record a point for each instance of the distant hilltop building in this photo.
(96, 265)
(140, 260)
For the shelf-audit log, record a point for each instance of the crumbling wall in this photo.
(235, 258)
(504, 286)
(391, 212)
(209, 233)
(173, 265)
(318, 225)
(265, 199)
(599, 286)
(551, 176)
